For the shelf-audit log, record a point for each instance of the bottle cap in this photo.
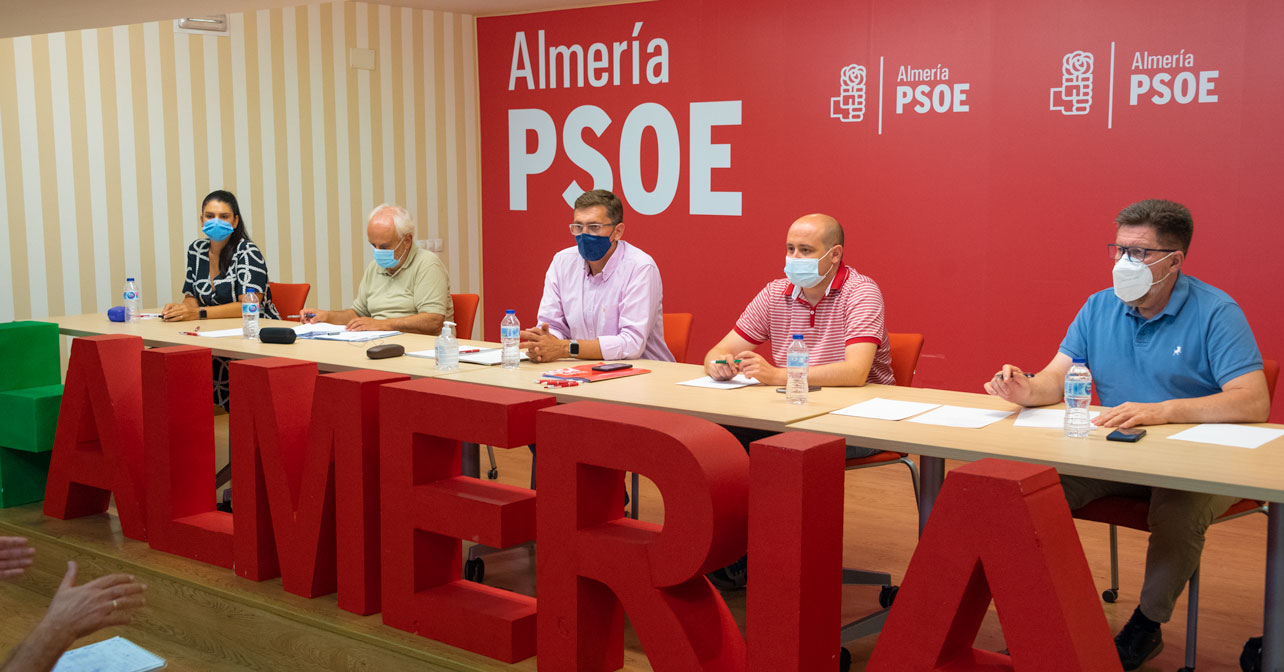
(510, 311)
(1080, 360)
(449, 323)
(798, 337)
(129, 279)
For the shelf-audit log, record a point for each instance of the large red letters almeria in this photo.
(357, 453)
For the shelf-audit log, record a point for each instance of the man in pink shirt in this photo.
(602, 298)
(837, 310)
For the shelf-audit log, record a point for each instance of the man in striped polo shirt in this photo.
(838, 311)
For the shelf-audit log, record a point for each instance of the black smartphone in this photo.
(1127, 435)
(613, 366)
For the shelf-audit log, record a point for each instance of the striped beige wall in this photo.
(110, 137)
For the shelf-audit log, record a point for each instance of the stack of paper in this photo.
(354, 336)
(221, 333)
(471, 355)
(311, 330)
(110, 655)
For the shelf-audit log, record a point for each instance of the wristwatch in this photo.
(575, 348)
(203, 316)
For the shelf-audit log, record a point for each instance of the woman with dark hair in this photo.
(221, 268)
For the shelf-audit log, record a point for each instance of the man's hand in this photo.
(726, 371)
(1132, 414)
(542, 345)
(77, 611)
(1010, 384)
(365, 324)
(754, 365)
(179, 312)
(312, 316)
(15, 556)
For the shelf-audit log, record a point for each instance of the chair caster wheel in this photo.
(844, 660)
(1110, 595)
(475, 570)
(492, 474)
(887, 595)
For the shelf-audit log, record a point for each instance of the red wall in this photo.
(985, 228)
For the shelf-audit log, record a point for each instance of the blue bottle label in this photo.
(130, 296)
(509, 331)
(797, 359)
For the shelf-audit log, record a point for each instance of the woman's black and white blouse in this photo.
(248, 271)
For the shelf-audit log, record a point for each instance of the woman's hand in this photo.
(179, 312)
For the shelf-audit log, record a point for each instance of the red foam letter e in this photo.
(1003, 529)
(98, 447)
(428, 506)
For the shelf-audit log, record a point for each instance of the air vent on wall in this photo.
(202, 25)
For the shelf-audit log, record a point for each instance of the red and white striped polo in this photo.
(850, 312)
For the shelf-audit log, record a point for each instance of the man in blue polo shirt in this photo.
(1163, 347)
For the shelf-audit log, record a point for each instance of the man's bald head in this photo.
(831, 232)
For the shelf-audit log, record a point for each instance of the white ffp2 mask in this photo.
(1132, 278)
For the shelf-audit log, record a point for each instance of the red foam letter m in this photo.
(299, 442)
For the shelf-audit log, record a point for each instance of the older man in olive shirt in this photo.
(403, 289)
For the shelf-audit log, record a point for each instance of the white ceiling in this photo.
(25, 17)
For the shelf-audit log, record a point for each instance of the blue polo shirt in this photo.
(1199, 342)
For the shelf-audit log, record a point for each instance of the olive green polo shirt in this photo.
(419, 285)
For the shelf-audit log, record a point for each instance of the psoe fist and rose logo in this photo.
(1074, 96)
(850, 103)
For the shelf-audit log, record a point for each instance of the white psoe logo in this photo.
(1074, 96)
(850, 103)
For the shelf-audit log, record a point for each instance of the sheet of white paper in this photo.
(484, 356)
(221, 333)
(1051, 418)
(355, 336)
(1238, 436)
(738, 381)
(110, 655)
(885, 409)
(318, 328)
(960, 416)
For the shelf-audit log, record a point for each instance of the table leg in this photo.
(1273, 619)
(471, 459)
(931, 476)
(634, 502)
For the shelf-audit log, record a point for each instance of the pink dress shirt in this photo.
(620, 307)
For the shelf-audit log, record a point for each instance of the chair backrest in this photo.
(1272, 370)
(289, 298)
(905, 351)
(677, 334)
(465, 306)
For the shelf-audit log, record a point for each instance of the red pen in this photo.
(191, 333)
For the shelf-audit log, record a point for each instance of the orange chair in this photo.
(465, 307)
(677, 334)
(289, 298)
(1134, 514)
(905, 351)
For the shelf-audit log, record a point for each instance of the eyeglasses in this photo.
(1135, 254)
(591, 229)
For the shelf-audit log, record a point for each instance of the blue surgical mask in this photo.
(804, 272)
(592, 247)
(385, 258)
(217, 230)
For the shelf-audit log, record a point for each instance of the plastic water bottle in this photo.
(250, 315)
(1078, 397)
(446, 350)
(133, 301)
(509, 335)
(796, 361)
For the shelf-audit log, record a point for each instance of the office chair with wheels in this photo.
(1117, 511)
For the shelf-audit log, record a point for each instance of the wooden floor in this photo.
(205, 618)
